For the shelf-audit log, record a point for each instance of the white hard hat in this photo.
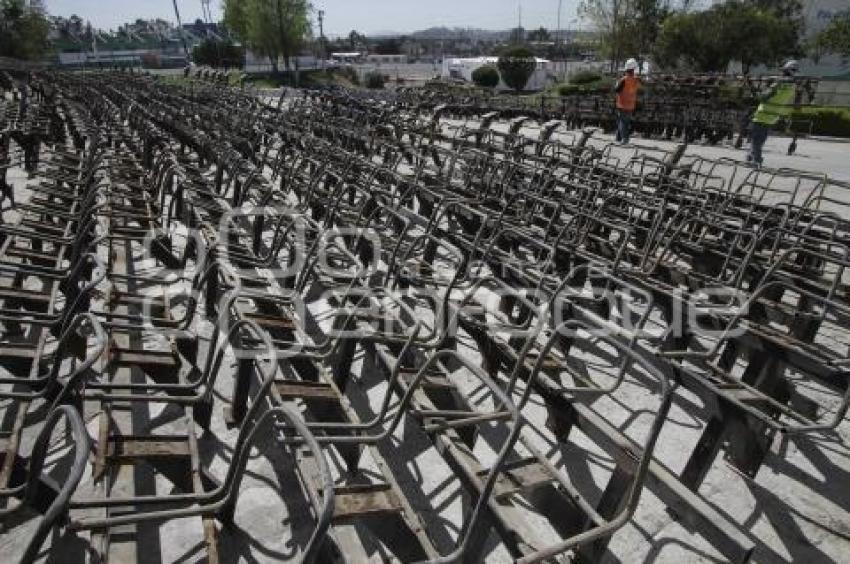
(631, 64)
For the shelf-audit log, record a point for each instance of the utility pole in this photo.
(180, 27)
(558, 32)
(520, 36)
(322, 37)
(94, 49)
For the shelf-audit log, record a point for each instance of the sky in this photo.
(342, 16)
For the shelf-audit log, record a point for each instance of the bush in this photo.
(486, 76)
(568, 89)
(733, 94)
(604, 84)
(375, 81)
(350, 74)
(825, 121)
(600, 84)
(218, 54)
(585, 77)
(516, 65)
(236, 78)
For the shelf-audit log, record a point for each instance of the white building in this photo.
(386, 59)
(350, 57)
(543, 76)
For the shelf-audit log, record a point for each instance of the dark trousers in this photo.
(758, 137)
(624, 125)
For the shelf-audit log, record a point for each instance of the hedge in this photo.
(832, 122)
(600, 84)
(585, 77)
(568, 89)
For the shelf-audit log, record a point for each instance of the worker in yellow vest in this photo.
(776, 105)
(627, 90)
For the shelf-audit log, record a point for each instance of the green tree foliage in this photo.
(486, 76)
(541, 34)
(356, 39)
(627, 28)
(516, 65)
(788, 11)
(708, 41)
(390, 46)
(23, 30)
(273, 28)
(585, 77)
(835, 38)
(517, 35)
(218, 54)
(349, 74)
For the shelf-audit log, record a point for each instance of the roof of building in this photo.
(483, 60)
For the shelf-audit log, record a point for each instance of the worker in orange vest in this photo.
(627, 91)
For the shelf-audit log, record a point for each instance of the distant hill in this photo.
(461, 33)
(447, 33)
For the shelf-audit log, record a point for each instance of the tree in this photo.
(835, 38)
(761, 35)
(645, 23)
(541, 35)
(517, 35)
(390, 46)
(516, 65)
(627, 28)
(486, 76)
(355, 39)
(218, 54)
(788, 11)
(273, 28)
(23, 30)
(735, 31)
(75, 24)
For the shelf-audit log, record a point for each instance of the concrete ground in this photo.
(818, 156)
(797, 509)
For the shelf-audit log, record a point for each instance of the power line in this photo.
(206, 11)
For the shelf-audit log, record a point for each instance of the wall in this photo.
(545, 74)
